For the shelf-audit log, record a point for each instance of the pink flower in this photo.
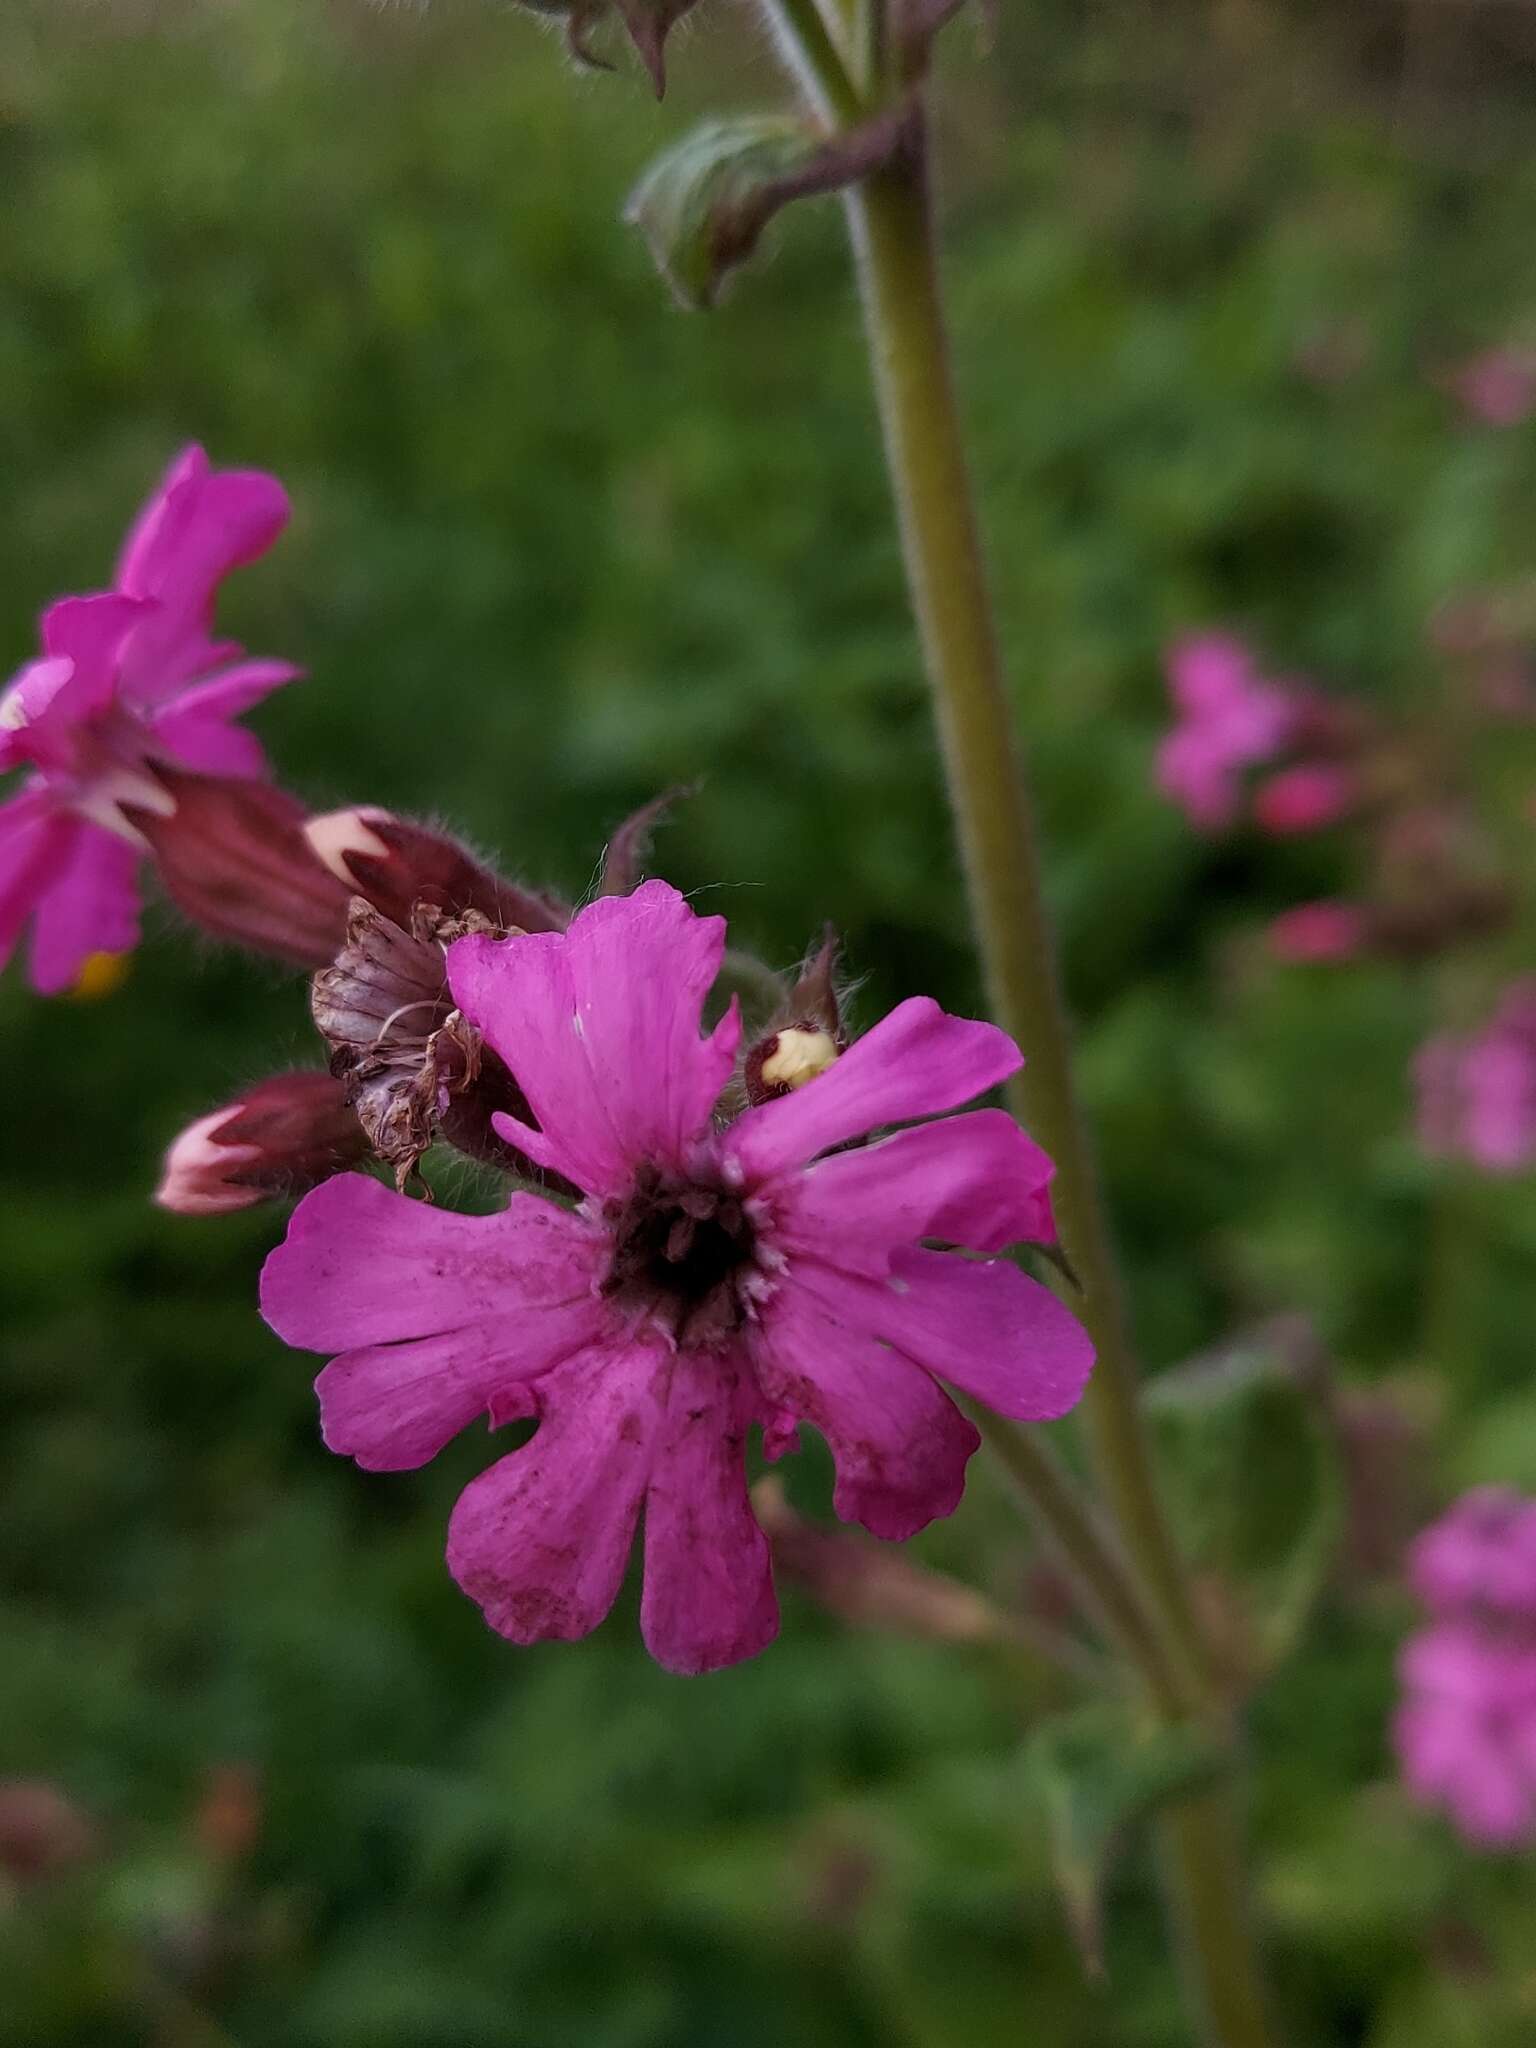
(769, 1271)
(1314, 933)
(1465, 1730)
(1228, 719)
(1480, 1554)
(1477, 1093)
(1306, 798)
(1497, 387)
(127, 678)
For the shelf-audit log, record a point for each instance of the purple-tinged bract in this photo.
(769, 1271)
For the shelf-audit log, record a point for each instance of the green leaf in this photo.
(1099, 1773)
(704, 204)
(1253, 1472)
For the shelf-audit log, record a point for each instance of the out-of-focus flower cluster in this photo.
(1429, 876)
(1477, 1091)
(1466, 1727)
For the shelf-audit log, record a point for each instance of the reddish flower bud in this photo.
(1324, 931)
(870, 1585)
(228, 1817)
(398, 866)
(287, 1134)
(1306, 798)
(41, 1830)
(232, 856)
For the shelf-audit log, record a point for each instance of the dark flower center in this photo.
(679, 1249)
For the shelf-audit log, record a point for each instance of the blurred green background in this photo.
(556, 546)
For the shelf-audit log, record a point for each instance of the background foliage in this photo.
(555, 547)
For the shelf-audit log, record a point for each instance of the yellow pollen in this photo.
(101, 974)
(800, 1055)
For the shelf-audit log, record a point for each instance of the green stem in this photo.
(1108, 1586)
(893, 235)
(815, 59)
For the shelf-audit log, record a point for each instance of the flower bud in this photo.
(806, 1036)
(1329, 930)
(287, 1134)
(40, 1830)
(398, 866)
(871, 1585)
(232, 857)
(1306, 798)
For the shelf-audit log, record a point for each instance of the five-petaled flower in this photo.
(128, 678)
(714, 1276)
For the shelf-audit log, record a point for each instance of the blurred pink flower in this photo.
(1228, 719)
(1306, 798)
(1497, 387)
(128, 678)
(1328, 930)
(1477, 1093)
(711, 1278)
(1465, 1729)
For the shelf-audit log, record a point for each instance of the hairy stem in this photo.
(893, 236)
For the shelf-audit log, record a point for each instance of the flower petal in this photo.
(709, 1598)
(918, 1061)
(201, 524)
(979, 1323)
(899, 1442)
(232, 693)
(976, 1180)
(208, 746)
(541, 1540)
(394, 1406)
(362, 1265)
(35, 838)
(149, 534)
(600, 1027)
(89, 905)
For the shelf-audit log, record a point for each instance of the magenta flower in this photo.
(1228, 719)
(127, 678)
(767, 1271)
(1477, 1094)
(1465, 1729)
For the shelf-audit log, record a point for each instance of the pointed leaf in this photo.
(650, 22)
(1253, 1472)
(704, 204)
(1099, 1773)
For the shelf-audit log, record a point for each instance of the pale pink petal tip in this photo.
(195, 1179)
